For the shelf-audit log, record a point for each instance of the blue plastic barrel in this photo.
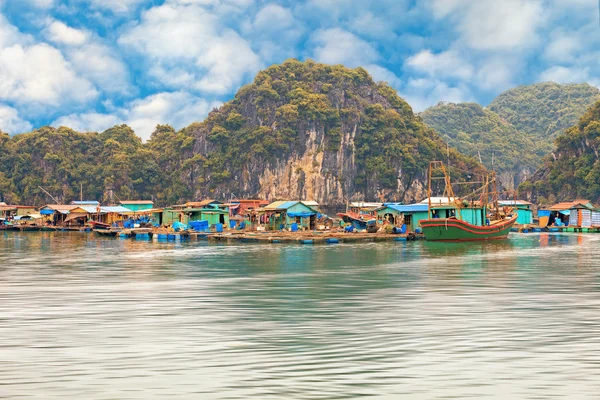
(332, 240)
(294, 227)
(218, 228)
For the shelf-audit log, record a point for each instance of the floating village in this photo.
(299, 221)
(480, 216)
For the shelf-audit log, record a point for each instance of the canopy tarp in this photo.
(46, 212)
(73, 216)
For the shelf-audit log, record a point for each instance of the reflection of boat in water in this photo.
(27, 228)
(460, 220)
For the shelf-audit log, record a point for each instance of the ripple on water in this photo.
(90, 318)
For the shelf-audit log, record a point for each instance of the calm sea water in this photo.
(83, 317)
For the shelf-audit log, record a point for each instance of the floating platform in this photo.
(308, 238)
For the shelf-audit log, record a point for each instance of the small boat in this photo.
(107, 232)
(458, 220)
(355, 219)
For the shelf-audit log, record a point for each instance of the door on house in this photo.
(313, 222)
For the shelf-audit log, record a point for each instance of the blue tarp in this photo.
(178, 226)
(46, 212)
(304, 214)
(200, 226)
(543, 213)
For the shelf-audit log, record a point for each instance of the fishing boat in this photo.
(106, 232)
(457, 220)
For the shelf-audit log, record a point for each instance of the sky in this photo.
(92, 64)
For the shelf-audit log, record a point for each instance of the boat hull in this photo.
(455, 230)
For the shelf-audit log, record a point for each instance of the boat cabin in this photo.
(523, 209)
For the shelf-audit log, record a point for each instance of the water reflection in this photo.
(95, 318)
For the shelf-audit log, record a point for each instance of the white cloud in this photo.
(273, 17)
(494, 25)
(496, 74)
(88, 122)
(40, 74)
(424, 92)
(10, 35)
(337, 46)
(178, 109)
(190, 38)
(563, 47)
(561, 74)
(60, 33)
(445, 64)
(116, 6)
(10, 122)
(383, 74)
(99, 64)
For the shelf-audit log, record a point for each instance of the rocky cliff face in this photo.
(304, 130)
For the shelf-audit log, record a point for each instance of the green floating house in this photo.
(523, 208)
(291, 215)
(137, 205)
(410, 214)
(213, 211)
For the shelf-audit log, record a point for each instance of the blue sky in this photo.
(91, 64)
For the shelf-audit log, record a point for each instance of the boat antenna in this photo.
(48, 193)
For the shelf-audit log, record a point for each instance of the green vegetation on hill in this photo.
(62, 160)
(476, 131)
(359, 137)
(545, 110)
(573, 169)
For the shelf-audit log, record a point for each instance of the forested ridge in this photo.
(572, 170)
(481, 133)
(300, 130)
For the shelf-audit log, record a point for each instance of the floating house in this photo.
(523, 209)
(292, 215)
(137, 205)
(243, 212)
(364, 209)
(408, 214)
(576, 213)
(213, 212)
(64, 214)
(11, 211)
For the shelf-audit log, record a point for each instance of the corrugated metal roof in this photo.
(115, 209)
(276, 205)
(85, 203)
(60, 207)
(136, 202)
(567, 205)
(363, 204)
(514, 203)
(407, 208)
(438, 200)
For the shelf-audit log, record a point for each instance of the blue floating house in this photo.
(291, 215)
